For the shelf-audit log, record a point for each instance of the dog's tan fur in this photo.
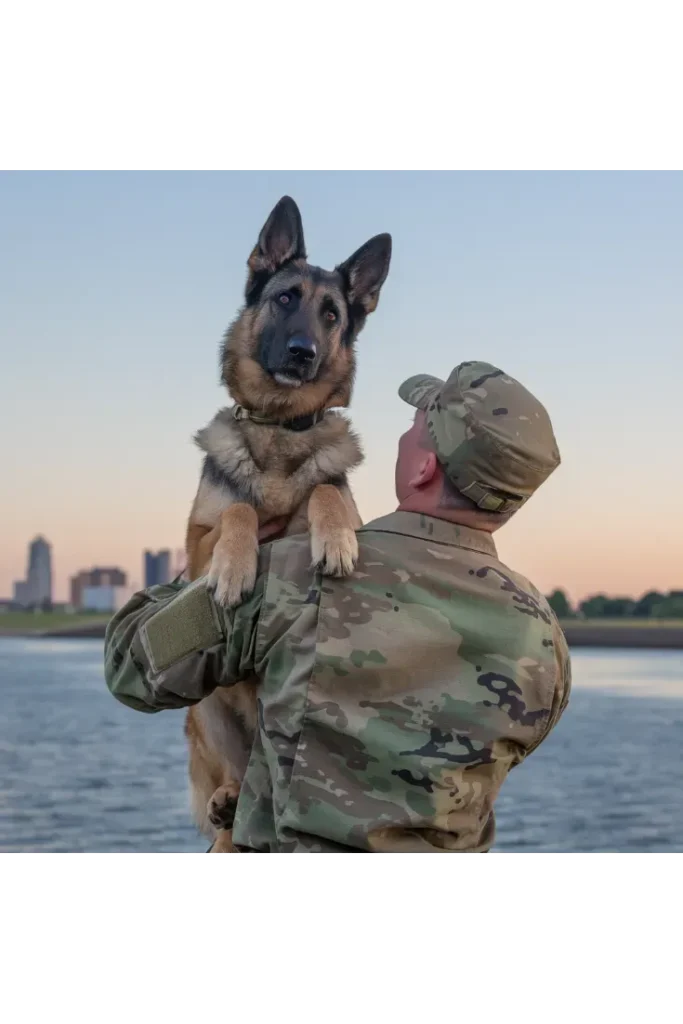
(255, 472)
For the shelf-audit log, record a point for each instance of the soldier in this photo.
(393, 703)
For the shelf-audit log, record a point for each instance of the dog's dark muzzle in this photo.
(299, 361)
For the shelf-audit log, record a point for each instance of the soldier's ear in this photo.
(426, 471)
(365, 272)
(281, 240)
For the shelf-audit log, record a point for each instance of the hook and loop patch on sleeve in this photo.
(190, 623)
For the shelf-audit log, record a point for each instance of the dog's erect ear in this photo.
(281, 240)
(366, 271)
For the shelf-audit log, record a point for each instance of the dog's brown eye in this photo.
(284, 298)
(330, 315)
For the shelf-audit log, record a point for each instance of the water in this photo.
(80, 772)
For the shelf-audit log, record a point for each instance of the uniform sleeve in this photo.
(564, 677)
(170, 646)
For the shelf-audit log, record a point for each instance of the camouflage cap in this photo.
(493, 438)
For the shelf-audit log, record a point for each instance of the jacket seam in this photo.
(258, 644)
(306, 705)
(431, 540)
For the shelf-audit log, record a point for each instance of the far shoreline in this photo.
(648, 636)
(644, 634)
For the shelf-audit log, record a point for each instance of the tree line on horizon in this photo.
(652, 605)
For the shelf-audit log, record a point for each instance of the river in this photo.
(80, 772)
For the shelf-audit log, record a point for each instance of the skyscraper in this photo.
(157, 568)
(97, 577)
(36, 589)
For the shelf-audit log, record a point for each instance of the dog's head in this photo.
(291, 347)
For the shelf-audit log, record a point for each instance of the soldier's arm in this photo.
(564, 676)
(559, 687)
(171, 645)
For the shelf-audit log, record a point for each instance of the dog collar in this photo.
(298, 423)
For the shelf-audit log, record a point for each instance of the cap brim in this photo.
(420, 391)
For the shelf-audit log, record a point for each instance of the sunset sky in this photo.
(115, 289)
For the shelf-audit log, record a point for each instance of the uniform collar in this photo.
(438, 531)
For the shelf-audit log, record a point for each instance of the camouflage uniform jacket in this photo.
(391, 705)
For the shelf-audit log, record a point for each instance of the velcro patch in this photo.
(189, 623)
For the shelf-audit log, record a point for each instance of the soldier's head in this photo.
(478, 448)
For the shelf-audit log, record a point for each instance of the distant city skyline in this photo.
(157, 567)
(115, 289)
(102, 588)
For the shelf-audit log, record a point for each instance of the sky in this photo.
(115, 289)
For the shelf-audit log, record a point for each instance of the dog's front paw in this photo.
(232, 574)
(335, 552)
(222, 806)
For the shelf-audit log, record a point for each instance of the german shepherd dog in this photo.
(279, 453)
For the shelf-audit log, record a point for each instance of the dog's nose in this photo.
(301, 349)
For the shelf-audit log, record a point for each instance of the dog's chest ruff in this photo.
(271, 467)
